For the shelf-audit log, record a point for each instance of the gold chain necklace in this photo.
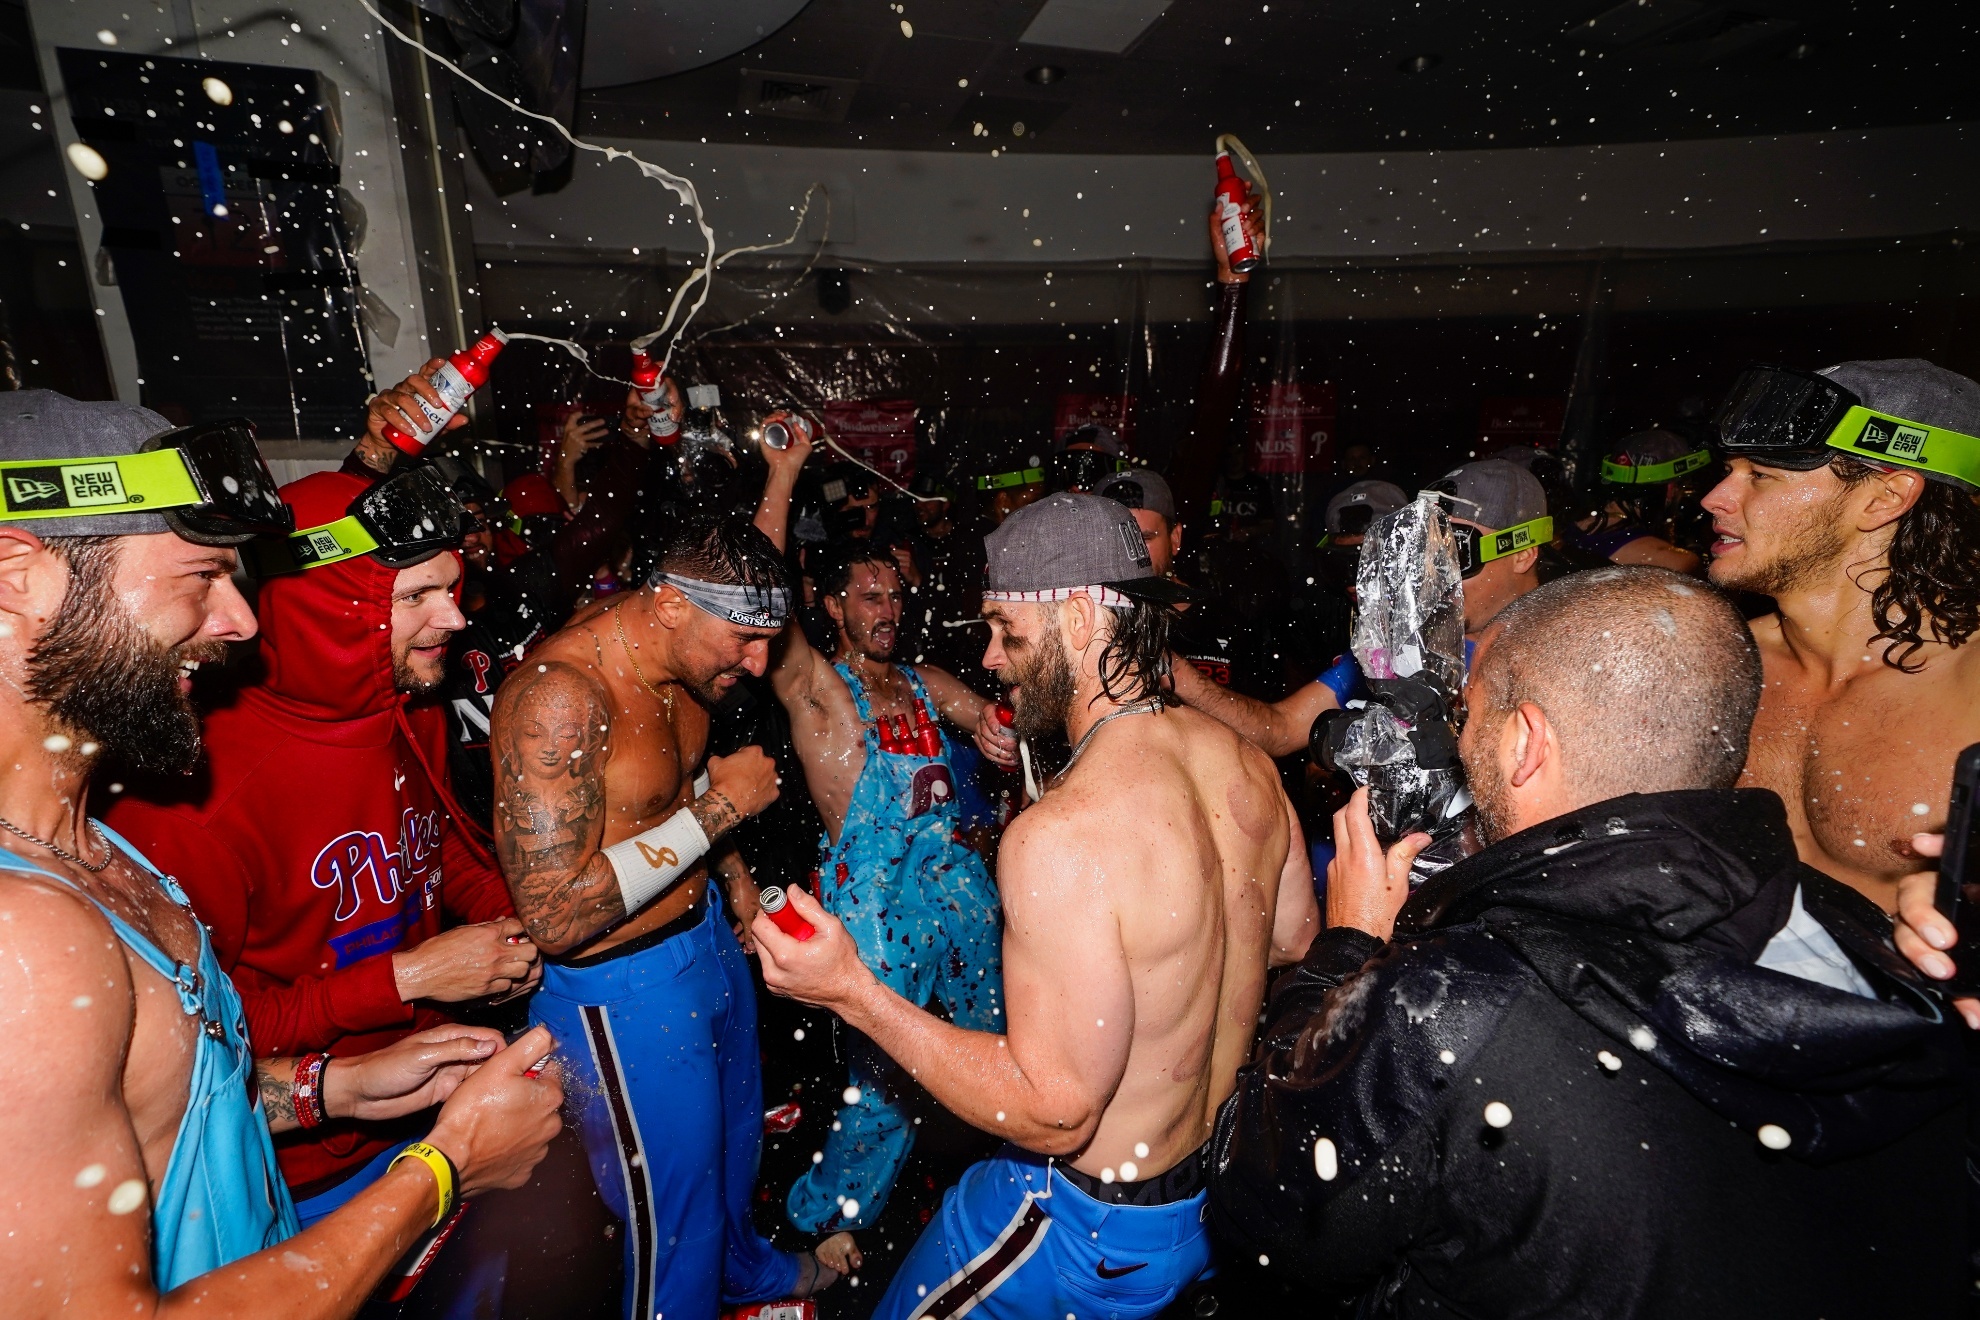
(666, 697)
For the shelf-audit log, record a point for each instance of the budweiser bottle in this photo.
(454, 381)
(1232, 195)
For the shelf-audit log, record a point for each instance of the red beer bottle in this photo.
(454, 380)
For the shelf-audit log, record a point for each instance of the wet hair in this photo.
(1136, 657)
(1932, 589)
(836, 574)
(1650, 678)
(729, 550)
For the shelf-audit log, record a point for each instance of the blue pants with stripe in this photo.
(660, 1061)
(1014, 1241)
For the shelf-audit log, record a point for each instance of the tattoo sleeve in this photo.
(274, 1078)
(715, 813)
(549, 739)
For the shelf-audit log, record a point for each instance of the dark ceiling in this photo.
(1319, 75)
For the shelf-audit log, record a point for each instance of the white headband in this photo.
(1097, 594)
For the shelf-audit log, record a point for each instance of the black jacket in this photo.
(1594, 977)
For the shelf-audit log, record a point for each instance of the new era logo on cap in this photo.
(1896, 439)
(67, 486)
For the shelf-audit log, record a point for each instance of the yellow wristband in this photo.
(443, 1172)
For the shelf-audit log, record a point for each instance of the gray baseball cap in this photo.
(1493, 494)
(1139, 488)
(1914, 389)
(1378, 497)
(1066, 541)
(44, 424)
(1097, 434)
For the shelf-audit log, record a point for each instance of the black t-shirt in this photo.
(1229, 651)
(523, 603)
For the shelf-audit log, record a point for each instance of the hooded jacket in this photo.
(1546, 1097)
(316, 840)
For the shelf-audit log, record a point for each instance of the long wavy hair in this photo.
(1930, 588)
(1136, 657)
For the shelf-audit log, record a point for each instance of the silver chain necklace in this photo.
(94, 868)
(1151, 707)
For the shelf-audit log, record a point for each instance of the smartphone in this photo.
(1959, 872)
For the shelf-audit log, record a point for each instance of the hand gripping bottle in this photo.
(793, 1309)
(777, 432)
(777, 907)
(1232, 194)
(455, 379)
(653, 393)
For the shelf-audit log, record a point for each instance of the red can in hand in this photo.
(1005, 715)
(777, 906)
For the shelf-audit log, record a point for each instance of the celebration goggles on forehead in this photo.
(1800, 420)
(404, 520)
(207, 481)
(1654, 474)
(1478, 548)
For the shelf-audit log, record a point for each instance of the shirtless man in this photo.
(1848, 499)
(120, 1022)
(606, 824)
(915, 897)
(1144, 897)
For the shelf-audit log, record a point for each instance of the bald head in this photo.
(1647, 681)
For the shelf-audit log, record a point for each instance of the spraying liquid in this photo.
(455, 381)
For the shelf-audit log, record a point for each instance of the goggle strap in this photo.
(1511, 540)
(331, 543)
(1882, 438)
(1655, 474)
(78, 487)
(1006, 480)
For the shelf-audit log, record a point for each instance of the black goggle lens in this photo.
(1771, 409)
(412, 516)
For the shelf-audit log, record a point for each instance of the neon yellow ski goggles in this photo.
(207, 481)
(1477, 549)
(1798, 419)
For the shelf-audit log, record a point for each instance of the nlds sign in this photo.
(1292, 427)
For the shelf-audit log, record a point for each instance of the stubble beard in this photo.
(1811, 553)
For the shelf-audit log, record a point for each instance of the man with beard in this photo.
(1848, 498)
(1144, 896)
(606, 821)
(1558, 1077)
(895, 868)
(319, 843)
(133, 1082)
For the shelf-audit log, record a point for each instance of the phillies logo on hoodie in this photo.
(359, 867)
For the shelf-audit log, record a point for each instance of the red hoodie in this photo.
(314, 842)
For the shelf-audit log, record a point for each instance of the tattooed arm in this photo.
(403, 1078)
(550, 739)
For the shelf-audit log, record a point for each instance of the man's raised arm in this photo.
(551, 740)
(956, 701)
(1281, 727)
(75, 1197)
(1046, 1082)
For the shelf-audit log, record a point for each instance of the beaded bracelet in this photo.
(306, 1091)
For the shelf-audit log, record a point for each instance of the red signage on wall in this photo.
(879, 432)
(1113, 411)
(1520, 421)
(1292, 427)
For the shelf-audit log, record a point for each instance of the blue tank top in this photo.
(222, 1196)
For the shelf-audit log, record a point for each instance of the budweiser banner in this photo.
(1292, 427)
(1113, 411)
(879, 432)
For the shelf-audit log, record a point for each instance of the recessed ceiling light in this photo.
(1045, 75)
(1420, 63)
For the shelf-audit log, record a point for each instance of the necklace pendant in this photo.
(214, 1029)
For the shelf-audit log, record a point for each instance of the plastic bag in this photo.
(1409, 639)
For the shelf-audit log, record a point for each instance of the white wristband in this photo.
(648, 864)
(701, 782)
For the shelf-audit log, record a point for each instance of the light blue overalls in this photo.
(923, 912)
(222, 1196)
